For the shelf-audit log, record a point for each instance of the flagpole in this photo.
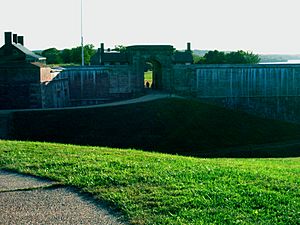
(82, 49)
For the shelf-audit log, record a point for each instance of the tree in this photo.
(235, 57)
(66, 55)
(238, 57)
(119, 48)
(214, 57)
(242, 57)
(52, 55)
(198, 59)
(252, 58)
(88, 50)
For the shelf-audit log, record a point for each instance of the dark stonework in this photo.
(23, 76)
(94, 85)
(19, 86)
(271, 91)
(162, 57)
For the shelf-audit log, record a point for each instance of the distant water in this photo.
(291, 61)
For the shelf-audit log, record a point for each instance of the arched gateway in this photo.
(161, 57)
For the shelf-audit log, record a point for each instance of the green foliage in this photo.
(89, 51)
(241, 57)
(215, 57)
(152, 188)
(148, 76)
(198, 59)
(169, 125)
(238, 57)
(66, 55)
(53, 56)
(69, 56)
(120, 48)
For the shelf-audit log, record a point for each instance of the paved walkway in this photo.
(29, 200)
(145, 98)
(5, 114)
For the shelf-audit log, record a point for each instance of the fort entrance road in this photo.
(6, 114)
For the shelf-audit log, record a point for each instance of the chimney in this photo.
(15, 38)
(102, 47)
(21, 40)
(8, 38)
(101, 53)
(189, 46)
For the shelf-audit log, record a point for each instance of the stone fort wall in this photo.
(271, 91)
(20, 85)
(93, 85)
(248, 80)
(268, 90)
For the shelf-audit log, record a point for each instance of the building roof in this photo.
(14, 50)
(29, 54)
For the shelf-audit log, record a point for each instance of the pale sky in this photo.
(261, 26)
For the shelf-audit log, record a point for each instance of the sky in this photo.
(260, 26)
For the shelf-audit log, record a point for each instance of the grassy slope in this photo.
(152, 188)
(168, 125)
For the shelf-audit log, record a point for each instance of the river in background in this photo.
(291, 61)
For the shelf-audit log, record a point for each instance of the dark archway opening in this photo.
(152, 75)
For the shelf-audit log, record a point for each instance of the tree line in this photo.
(73, 56)
(218, 57)
(69, 56)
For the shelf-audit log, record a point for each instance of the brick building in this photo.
(24, 76)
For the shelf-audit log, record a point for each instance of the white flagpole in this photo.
(82, 50)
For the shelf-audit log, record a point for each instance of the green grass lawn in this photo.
(154, 188)
(148, 76)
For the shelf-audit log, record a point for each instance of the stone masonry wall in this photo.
(20, 86)
(55, 94)
(248, 80)
(184, 79)
(271, 91)
(93, 85)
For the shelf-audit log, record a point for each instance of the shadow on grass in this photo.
(175, 126)
(280, 151)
